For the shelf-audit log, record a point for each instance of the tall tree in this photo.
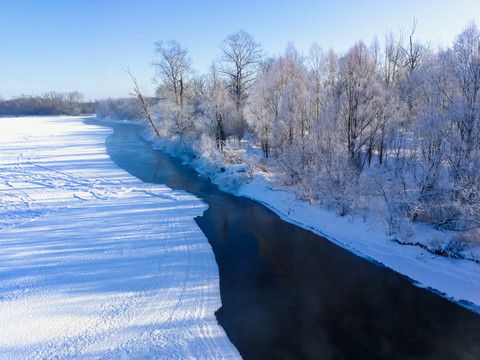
(174, 68)
(263, 107)
(464, 139)
(261, 111)
(413, 50)
(394, 59)
(361, 103)
(413, 54)
(466, 52)
(239, 60)
(217, 108)
(316, 62)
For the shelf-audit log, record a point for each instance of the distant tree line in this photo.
(122, 108)
(51, 103)
(390, 130)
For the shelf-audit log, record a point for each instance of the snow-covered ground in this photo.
(94, 263)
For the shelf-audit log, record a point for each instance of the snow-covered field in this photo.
(94, 263)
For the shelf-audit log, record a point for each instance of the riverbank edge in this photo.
(454, 279)
(457, 280)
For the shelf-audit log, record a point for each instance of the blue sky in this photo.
(82, 45)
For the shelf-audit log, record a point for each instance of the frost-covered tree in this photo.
(413, 53)
(316, 76)
(177, 88)
(173, 68)
(430, 133)
(294, 127)
(263, 107)
(464, 139)
(239, 64)
(361, 103)
(288, 73)
(218, 108)
(413, 50)
(466, 68)
(261, 111)
(239, 60)
(393, 59)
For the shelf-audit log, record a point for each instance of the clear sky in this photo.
(82, 45)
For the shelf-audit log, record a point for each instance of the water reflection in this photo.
(290, 294)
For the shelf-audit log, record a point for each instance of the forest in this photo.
(389, 130)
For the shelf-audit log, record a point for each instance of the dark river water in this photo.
(290, 294)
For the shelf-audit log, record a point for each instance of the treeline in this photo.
(51, 103)
(390, 131)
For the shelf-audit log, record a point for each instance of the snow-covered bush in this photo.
(447, 246)
(233, 176)
(469, 243)
(209, 159)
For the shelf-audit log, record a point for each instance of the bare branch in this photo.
(141, 100)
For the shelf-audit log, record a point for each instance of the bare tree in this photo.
(413, 50)
(394, 58)
(466, 51)
(217, 106)
(261, 111)
(361, 103)
(316, 61)
(173, 68)
(240, 56)
(464, 138)
(141, 101)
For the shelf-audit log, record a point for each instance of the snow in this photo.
(455, 279)
(94, 263)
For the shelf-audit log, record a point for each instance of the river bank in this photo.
(289, 293)
(455, 279)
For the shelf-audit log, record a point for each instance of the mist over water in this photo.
(290, 294)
